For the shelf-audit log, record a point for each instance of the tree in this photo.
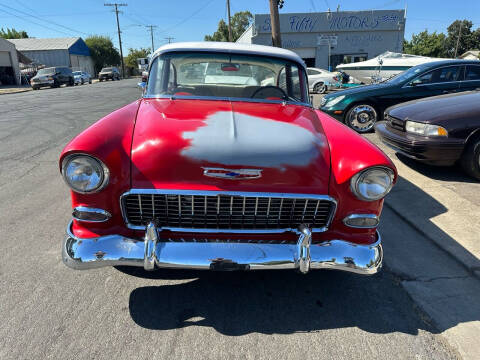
(464, 36)
(12, 34)
(426, 44)
(239, 23)
(102, 51)
(134, 54)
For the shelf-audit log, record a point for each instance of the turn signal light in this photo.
(361, 220)
(87, 214)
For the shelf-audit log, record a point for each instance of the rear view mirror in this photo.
(230, 67)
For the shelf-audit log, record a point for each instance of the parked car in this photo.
(224, 176)
(111, 73)
(320, 80)
(53, 77)
(439, 130)
(82, 77)
(362, 106)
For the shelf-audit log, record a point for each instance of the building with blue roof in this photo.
(70, 52)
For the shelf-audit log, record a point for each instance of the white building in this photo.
(351, 35)
(9, 69)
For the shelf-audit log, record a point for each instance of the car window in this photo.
(444, 74)
(295, 81)
(313, 72)
(472, 72)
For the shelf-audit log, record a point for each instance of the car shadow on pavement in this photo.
(443, 173)
(276, 302)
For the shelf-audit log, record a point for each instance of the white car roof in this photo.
(229, 47)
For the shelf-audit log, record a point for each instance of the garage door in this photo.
(5, 58)
(305, 52)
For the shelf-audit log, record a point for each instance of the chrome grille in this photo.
(227, 211)
(395, 123)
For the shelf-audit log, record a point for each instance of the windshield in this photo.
(226, 76)
(47, 71)
(407, 74)
(106, 69)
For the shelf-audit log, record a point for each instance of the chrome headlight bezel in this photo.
(105, 172)
(358, 178)
(334, 101)
(423, 129)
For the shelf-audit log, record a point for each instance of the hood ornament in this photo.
(232, 174)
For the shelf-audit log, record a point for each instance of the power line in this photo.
(169, 39)
(33, 22)
(48, 21)
(188, 17)
(116, 5)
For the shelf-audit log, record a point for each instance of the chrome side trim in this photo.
(105, 213)
(357, 216)
(228, 193)
(113, 250)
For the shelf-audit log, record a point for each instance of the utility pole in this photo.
(119, 36)
(151, 35)
(169, 39)
(458, 38)
(230, 38)
(275, 22)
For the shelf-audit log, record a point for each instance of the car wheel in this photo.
(71, 82)
(470, 160)
(361, 118)
(82, 82)
(89, 81)
(320, 88)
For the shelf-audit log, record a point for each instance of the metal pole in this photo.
(329, 69)
(230, 38)
(275, 21)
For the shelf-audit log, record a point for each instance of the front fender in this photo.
(109, 140)
(351, 153)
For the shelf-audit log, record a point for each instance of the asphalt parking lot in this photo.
(414, 309)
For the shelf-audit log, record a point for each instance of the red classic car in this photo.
(223, 164)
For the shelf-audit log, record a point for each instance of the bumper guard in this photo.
(113, 250)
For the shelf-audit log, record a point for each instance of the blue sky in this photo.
(190, 20)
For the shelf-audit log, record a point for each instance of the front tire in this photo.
(361, 118)
(320, 88)
(470, 160)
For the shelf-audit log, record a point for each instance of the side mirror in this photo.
(416, 82)
(142, 86)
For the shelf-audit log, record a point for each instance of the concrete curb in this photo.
(14, 91)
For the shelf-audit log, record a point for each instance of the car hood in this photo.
(203, 145)
(439, 108)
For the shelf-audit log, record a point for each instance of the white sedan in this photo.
(82, 77)
(319, 80)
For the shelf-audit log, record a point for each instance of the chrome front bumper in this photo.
(112, 250)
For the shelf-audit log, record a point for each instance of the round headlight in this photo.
(84, 174)
(372, 184)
